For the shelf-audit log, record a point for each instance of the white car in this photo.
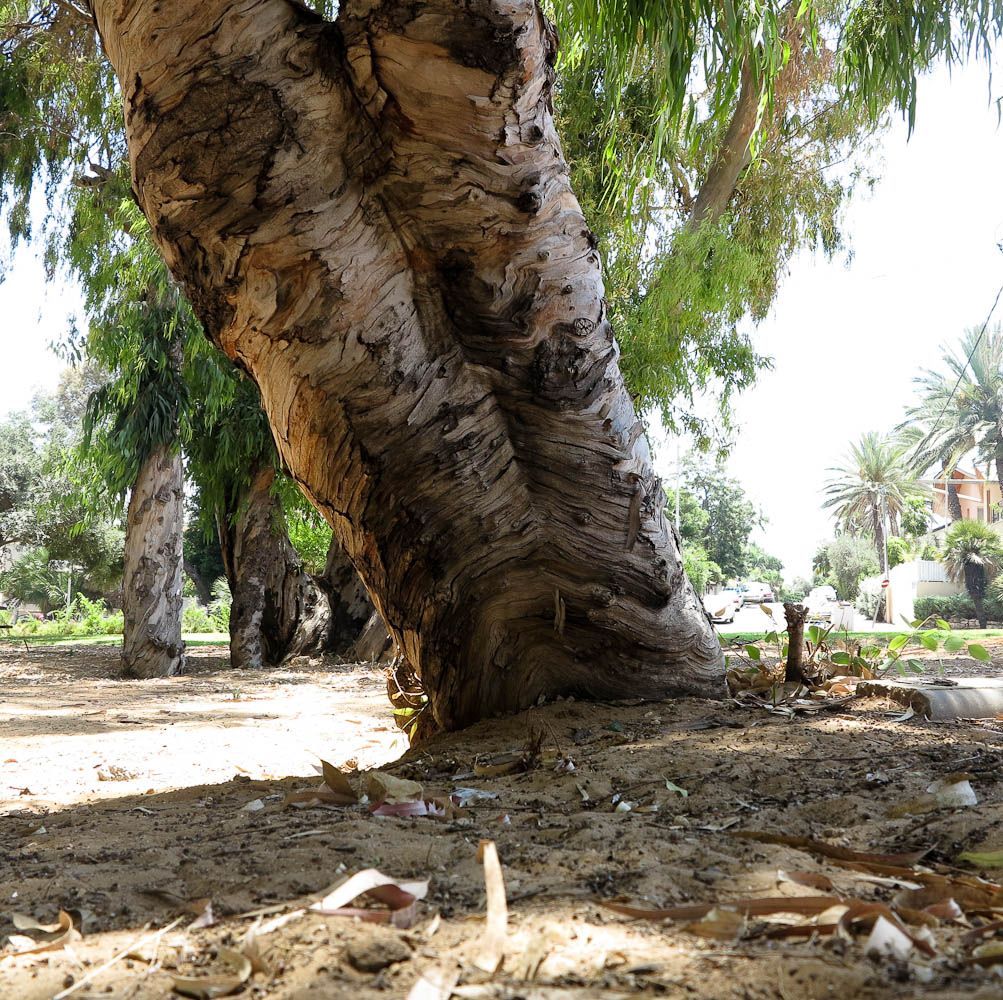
(821, 605)
(722, 606)
(754, 592)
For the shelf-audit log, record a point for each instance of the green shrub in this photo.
(114, 623)
(934, 606)
(196, 619)
(5, 617)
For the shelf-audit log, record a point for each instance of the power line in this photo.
(971, 354)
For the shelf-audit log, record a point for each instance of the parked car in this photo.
(821, 604)
(754, 592)
(769, 595)
(722, 606)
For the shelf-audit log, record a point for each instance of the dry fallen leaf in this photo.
(829, 850)
(383, 787)
(207, 987)
(435, 983)
(400, 898)
(55, 935)
(886, 940)
(492, 948)
(338, 782)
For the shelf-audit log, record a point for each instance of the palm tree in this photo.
(973, 554)
(961, 407)
(875, 478)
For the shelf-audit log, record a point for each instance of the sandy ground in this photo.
(131, 804)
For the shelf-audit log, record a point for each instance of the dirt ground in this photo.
(131, 804)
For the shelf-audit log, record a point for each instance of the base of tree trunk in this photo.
(152, 581)
(278, 610)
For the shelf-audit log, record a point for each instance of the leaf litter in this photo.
(889, 887)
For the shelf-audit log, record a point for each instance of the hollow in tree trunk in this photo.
(152, 579)
(373, 217)
(278, 609)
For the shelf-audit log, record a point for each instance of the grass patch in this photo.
(877, 638)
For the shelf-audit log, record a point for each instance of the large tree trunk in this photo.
(151, 580)
(278, 610)
(351, 606)
(373, 217)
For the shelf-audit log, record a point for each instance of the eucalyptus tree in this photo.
(133, 434)
(875, 479)
(960, 407)
(373, 215)
(699, 200)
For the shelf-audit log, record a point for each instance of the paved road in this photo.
(750, 618)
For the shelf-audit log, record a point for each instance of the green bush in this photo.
(195, 618)
(5, 617)
(935, 606)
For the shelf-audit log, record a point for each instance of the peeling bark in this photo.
(151, 589)
(278, 610)
(373, 217)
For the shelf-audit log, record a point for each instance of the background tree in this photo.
(875, 476)
(760, 565)
(730, 516)
(961, 408)
(973, 555)
(700, 200)
(849, 560)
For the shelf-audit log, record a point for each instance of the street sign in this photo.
(884, 583)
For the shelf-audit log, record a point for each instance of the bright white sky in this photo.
(847, 342)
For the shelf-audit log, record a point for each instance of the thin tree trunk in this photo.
(205, 594)
(999, 474)
(953, 503)
(278, 609)
(796, 614)
(373, 216)
(151, 590)
(975, 584)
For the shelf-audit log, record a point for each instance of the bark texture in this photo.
(953, 503)
(373, 217)
(152, 579)
(278, 610)
(796, 615)
(351, 608)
